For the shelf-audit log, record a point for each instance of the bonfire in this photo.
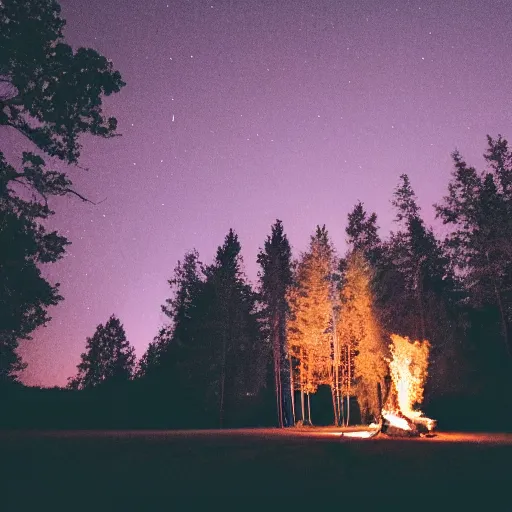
(408, 368)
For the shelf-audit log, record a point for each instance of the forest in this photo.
(310, 343)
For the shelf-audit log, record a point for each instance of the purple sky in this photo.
(243, 111)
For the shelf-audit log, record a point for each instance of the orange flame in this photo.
(408, 368)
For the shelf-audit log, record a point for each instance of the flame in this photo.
(408, 369)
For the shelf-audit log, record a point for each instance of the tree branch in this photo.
(84, 199)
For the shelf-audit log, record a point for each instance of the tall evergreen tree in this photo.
(362, 339)
(422, 290)
(479, 208)
(153, 358)
(362, 232)
(108, 359)
(236, 368)
(310, 324)
(51, 95)
(275, 279)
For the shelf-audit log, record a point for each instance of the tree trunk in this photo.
(342, 412)
(277, 371)
(302, 402)
(333, 396)
(335, 367)
(349, 383)
(222, 382)
(292, 389)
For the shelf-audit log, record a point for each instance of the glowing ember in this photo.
(408, 368)
(363, 434)
(396, 421)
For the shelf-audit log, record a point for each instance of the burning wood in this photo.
(408, 368)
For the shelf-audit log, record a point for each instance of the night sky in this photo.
(240, 112)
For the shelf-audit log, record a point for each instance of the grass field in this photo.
(101, 469)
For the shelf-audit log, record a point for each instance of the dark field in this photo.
(148, 468)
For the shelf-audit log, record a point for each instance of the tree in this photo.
(51, 95)
(24, 245)
(479, 208)
(231, 331)
(423, 297)
(360, 335)
(153, 358)
(108, 359)
(275, 279)
(310, 324)
(362, 232)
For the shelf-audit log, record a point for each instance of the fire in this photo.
(408, 369)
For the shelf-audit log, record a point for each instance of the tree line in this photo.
(325, 320)
(319, 322)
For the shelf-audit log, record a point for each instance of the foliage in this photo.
(275, 280)
(362, 232)
(108, 359)
(154, 356)
(24, 245)
(212, 353)
(238, 366)
(419, 294)
(479, 209)
(309, 326)
(360, 334)
(51, 95)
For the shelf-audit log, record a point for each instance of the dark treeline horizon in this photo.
(221, 359)
(306, 344)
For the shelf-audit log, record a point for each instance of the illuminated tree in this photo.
(309, 326)
(361, 338)
(108, 359)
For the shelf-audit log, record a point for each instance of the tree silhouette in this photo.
(51, 95)
(236, 358)
(153, 358)
(108, 359)
(275, 279)
(362, 232)
(479, 208)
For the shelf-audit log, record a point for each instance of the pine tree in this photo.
(153, 358)
(275, 279)
(236, 349)
(422, 290)
(310, 324)
(362, 232)
(479, 208)
(108, 359)
(362, 339)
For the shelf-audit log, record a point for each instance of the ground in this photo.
(148, 468)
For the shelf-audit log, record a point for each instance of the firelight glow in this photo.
(408, 369)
